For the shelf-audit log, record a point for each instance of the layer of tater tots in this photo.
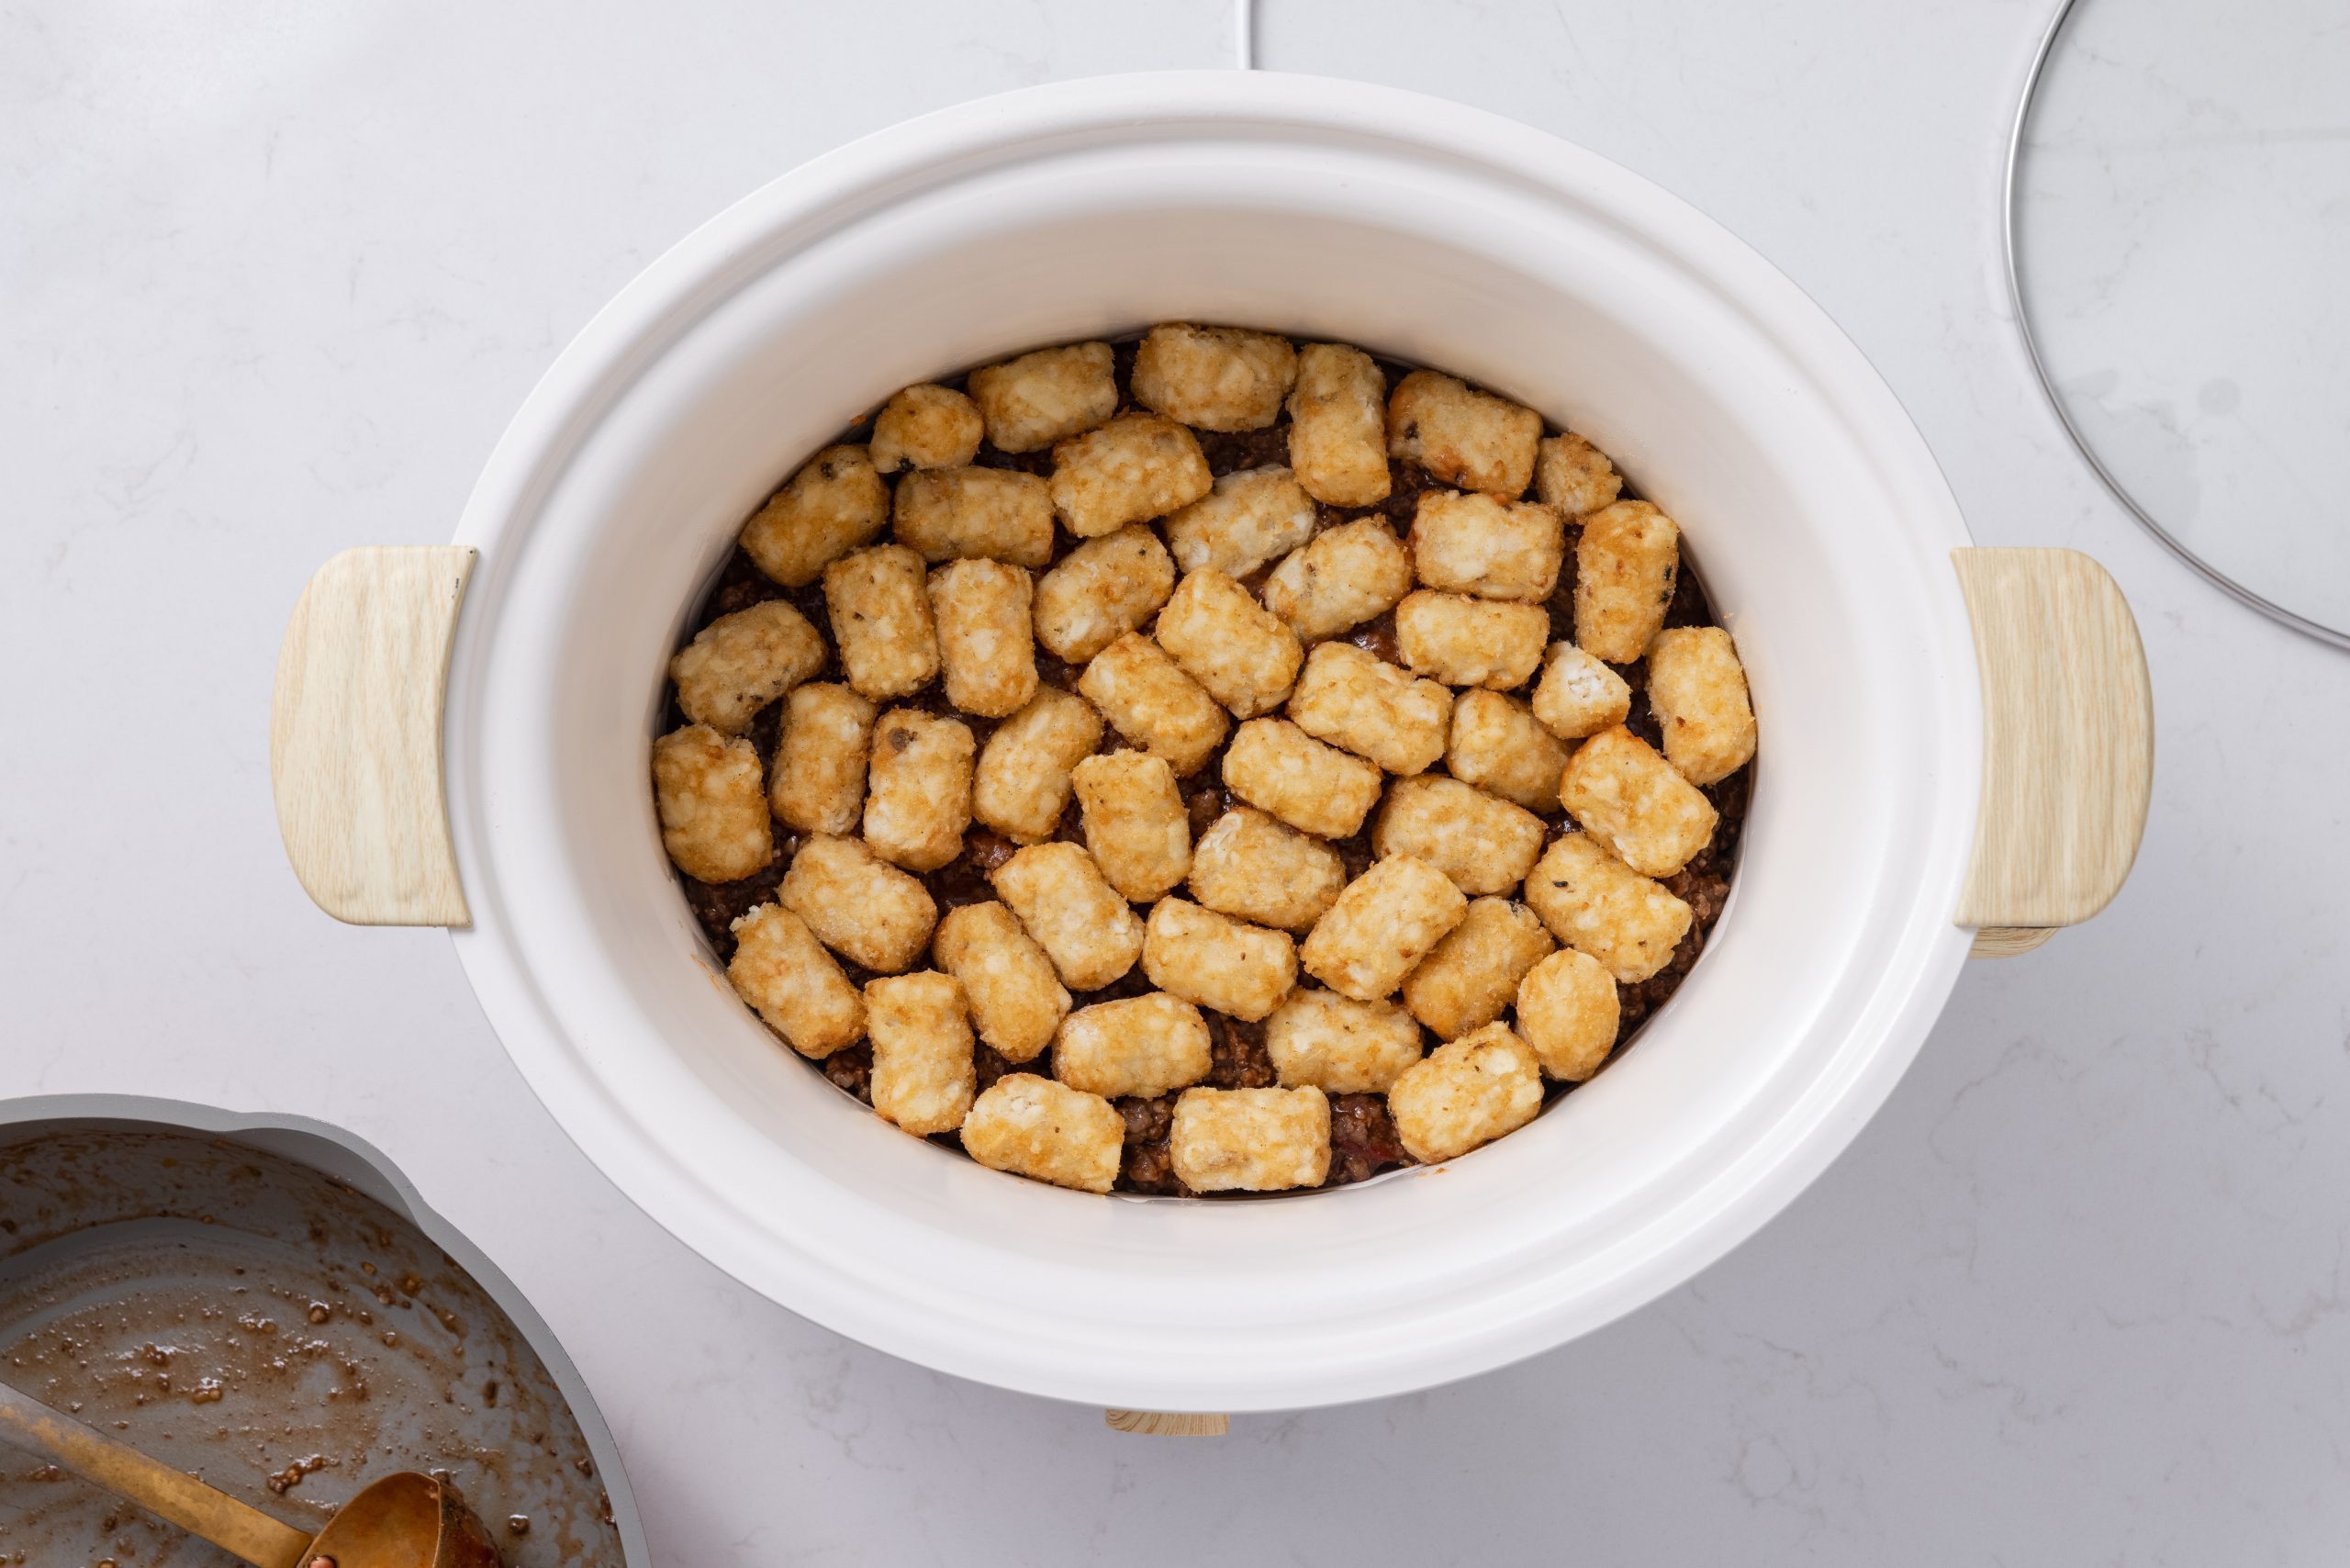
(1578, 695)
(985, 644)
(1465, 640)
(1386, 921)
(859, 905)
(1033, 1126)
(1463, 436)
(817, 782)
(1250, 1140)
(1596, 904)
(1471, 976)
(1135, 825)
(1358, 701)
(918, 798)
(1254, 866)
(1022, 786)
(1252, 517)
(1483, 842)
(783, 971)
(1035, 399)
(1239, 653)
(1137, 1045)
(926, 426)
(880, 610)
(1342, 577)
(1337, 1043)
(1065, 903)
(1697, 691)
(1101, 590)
(924, 1075)
(1466, 1093)
(713, 809)
(1147, 698)
(1574, 476)
(1278, 767)
(1337, 432)
(1625, 565)
(1497, 744)
(1240, 970)
(1137, 467)
(1568, 1011)
(1214, 378)
(1495, 549)
(1630, 799)
(835, 503)
(740, 663)
(975, 514)
(1016, 1000)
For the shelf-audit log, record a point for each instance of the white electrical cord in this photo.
(1244, 32)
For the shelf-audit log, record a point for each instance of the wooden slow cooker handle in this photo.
(2069, 744)
(354, 735)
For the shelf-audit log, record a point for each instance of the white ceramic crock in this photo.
(1426, 230)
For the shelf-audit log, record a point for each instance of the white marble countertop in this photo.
(273, 274)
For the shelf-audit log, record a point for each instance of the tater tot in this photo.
(1497, 744)
(1632, 800)
(1138, 1046)
(1466, 1093)
(1568, 1011)
(818, 784)
(1214, 378)
(1032, 402)
(783, 971)
(923, 1072)
(1250, 1140)
(985, 644)
(1483, 842)
(926, 426)
(1034, 1127)
(1065, 903)
(834, 504)
(1468, 980)
(1337, 432)
(1256, 867)
(1273, 764)
(1360, 701)
(1337, 1043)
(920, 799)
(1463, 436)
(1698, 690)
(1239, 652)
(1356, 572)
(1596, 904)
(975, 514)
(713, 811)
(1574, 476)
(1148, 699)
(859, 905)
(1137, 467)
(740, 663)
(1386, 921)
(1016, 1000)
(1464, 640)
(1023, 783)
(1101, 590)
(882, 623)
(1625, 565)
(1241, 970)
(1251, 516)
(1495, 549)
(1578, 695)
(1135, 825)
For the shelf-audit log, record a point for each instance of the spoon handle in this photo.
(155, 1486)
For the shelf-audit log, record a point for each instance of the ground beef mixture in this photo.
(1363, 1140)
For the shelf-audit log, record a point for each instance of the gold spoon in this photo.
(404, 1520)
